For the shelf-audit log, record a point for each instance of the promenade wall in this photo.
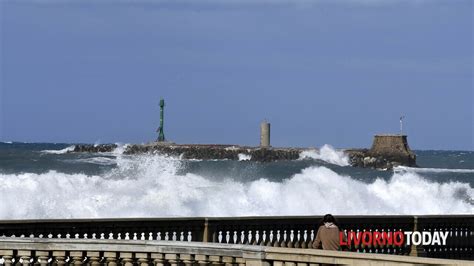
(34, 251)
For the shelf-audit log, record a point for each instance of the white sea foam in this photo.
(120, 148)
(244, 157)
(150, 186)
(7, 142)
(65, 150)
(327, 154)
(95, 160)
(431, 170)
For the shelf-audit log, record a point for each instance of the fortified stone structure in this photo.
(387, 151)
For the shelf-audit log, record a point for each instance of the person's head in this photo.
(328, 218)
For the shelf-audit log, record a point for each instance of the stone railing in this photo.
(40, 251)
(291, 232)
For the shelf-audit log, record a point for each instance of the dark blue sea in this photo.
(44, 180)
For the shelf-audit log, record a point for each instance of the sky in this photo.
(334, 72)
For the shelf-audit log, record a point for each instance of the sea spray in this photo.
(327, 154)
(151, 186)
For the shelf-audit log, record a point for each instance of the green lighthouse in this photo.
(161, 134)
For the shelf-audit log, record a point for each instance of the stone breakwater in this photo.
(377, 157)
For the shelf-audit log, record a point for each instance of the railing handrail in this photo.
(212, 218)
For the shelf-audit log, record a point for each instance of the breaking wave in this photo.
(65, 150)
(150, 186)
(327, 154)
(431, 170)
(95, 160)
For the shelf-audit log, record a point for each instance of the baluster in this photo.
(250, 237)
(202, 260)
(264, 238)
(173, 259)
(219, 237)
(102, 236)
(68, 236)
(228, 261)
(181, 238)
(25, 256)
(235, 237)
(142, 259)
(94, 236)
(281, 263)
(215, 260)
(127, 236)
(60, 257)
(58, 236)
(277, 242)
(298, 239)
(158, 259)
(174, 236)
(119, 236)
(43, 257)
(270, 242)
(158, 236)
(257, 238)
(85, 236)
(111, 235)
(142, 236)
(135, 237)
(305, 239)
(292, 237)
(227, 237)
(167, 236)
(187, 259)
(242, 237)
(126, 258)
(190, 236)
(76, 236)
(283, 243)
(240, 261)
(76, 258)
(94, 258)
(110, 258)
(7, 257)
(150, 236)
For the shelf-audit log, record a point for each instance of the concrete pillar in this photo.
(265, 134)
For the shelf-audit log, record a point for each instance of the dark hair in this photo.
(328, 218)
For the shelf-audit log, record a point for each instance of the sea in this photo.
(45, 180)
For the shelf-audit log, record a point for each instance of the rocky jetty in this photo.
(217, 152)
(94, 148)
(387, 151)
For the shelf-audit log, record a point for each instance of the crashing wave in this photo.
(327, 154)
(65, 150)
(151, 186)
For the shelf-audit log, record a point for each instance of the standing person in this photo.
(327, 236)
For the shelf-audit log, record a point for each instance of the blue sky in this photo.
(334, 72)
